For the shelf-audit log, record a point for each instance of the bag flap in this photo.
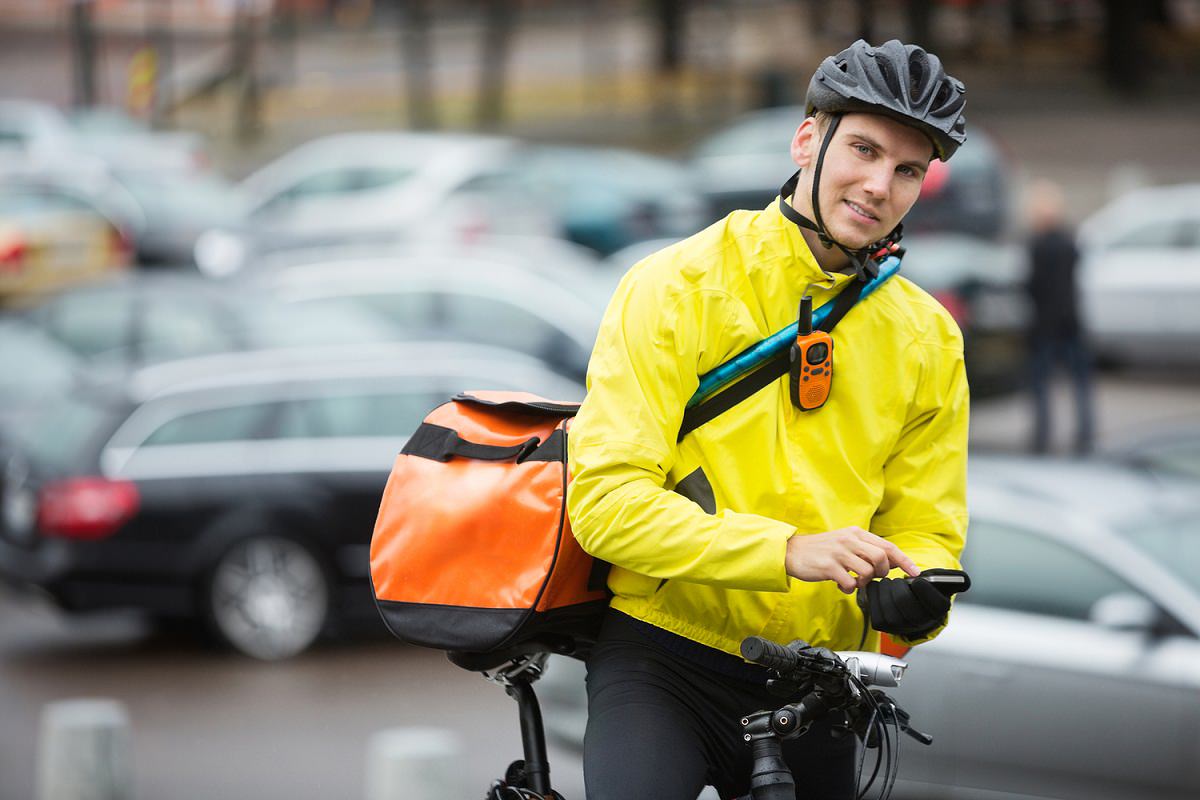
(519, 402)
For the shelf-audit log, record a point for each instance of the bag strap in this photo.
(441, 444)
(770, 371)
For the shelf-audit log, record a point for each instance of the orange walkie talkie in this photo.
(811, 362)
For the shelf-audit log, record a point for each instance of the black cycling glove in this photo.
(911, 607)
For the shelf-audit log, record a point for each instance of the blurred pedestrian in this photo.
(1057, 335)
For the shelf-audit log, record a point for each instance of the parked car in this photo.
(139, 319)
(1072, 666)
(241, 489)
(488, 300)
(603, 198)
(982, 284)
(1139, 276)
(52, 236)
(43, 134)
(174, 209)
(34, 370)
(1171, 453)
(744, 164)
(370, 187)
(382, 187)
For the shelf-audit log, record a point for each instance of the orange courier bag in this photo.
(472, 549)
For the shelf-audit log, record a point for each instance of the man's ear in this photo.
(805, 142)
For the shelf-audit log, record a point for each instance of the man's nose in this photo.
(879, 182)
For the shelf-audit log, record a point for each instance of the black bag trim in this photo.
(441, 444)
(765, 375)
(697, 488)
(529, 407)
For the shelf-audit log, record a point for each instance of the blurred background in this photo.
(246, 244)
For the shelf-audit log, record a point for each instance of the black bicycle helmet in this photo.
(898, 80)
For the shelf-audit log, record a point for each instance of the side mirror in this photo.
(1125, 611)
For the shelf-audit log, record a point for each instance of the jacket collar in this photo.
(803, 264)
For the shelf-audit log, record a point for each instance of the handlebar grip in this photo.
(767, 653)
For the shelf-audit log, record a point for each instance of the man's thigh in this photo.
(642, 740)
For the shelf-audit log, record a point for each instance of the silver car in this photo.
(1139, 276)
(477, 299)
(1072, 667)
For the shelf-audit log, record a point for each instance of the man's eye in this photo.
(862, 148)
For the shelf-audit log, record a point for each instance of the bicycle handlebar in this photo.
(872, 669)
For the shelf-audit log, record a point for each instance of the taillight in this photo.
(121, 247)
(957, 307)
(935, 178)
(13, 250)
(86, 508)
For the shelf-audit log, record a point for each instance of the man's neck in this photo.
(830, 259)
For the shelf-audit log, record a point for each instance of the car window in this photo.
(1022, 571)
(173, 327)
(229, 424)
(378, 177)
(91, 323)
(1189, 235)
(1173, 541)
(1165, 233)
(329, 182)
(348, 415)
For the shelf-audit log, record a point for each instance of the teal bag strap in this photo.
(768, 360)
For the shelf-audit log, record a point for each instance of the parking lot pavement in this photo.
(1129, 405)
(207, 724)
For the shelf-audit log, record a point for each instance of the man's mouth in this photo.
(859, 211)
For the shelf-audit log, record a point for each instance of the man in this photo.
(1056, 333)
(768, 518)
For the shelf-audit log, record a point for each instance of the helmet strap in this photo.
(865, 266)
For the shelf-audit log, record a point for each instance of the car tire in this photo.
(267, 597)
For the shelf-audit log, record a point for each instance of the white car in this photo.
(478, 298)
(366, 186)
(1139, 276)
(1071, 669)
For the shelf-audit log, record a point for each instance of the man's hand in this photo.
(834, 555)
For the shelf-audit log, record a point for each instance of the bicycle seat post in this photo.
(533, 736)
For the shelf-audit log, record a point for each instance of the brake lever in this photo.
(888, 707)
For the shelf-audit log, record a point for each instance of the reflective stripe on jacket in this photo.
(697, 530)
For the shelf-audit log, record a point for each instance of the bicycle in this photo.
(812, 682)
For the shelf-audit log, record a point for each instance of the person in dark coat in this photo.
(1057, 335)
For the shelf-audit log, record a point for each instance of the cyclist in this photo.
(767, 519)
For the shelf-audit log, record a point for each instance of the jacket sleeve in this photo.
(622, 446)
(924, 506)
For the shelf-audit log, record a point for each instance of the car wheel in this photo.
(268, 597)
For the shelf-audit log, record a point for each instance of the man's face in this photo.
(870, 179)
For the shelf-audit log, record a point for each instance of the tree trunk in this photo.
(920, 24)
(1125, 54)
(416, 55)
(84, 33)
(497, 36)
(248, 122)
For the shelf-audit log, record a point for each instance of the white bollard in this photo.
(85, 751)
(415, 764)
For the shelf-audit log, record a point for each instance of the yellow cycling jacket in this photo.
(697, 530)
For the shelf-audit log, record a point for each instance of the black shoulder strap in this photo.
(765, 375)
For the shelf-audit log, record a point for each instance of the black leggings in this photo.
(660, 726)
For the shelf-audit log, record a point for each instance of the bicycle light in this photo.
(874, 669)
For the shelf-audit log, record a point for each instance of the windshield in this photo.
(1173, 542)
